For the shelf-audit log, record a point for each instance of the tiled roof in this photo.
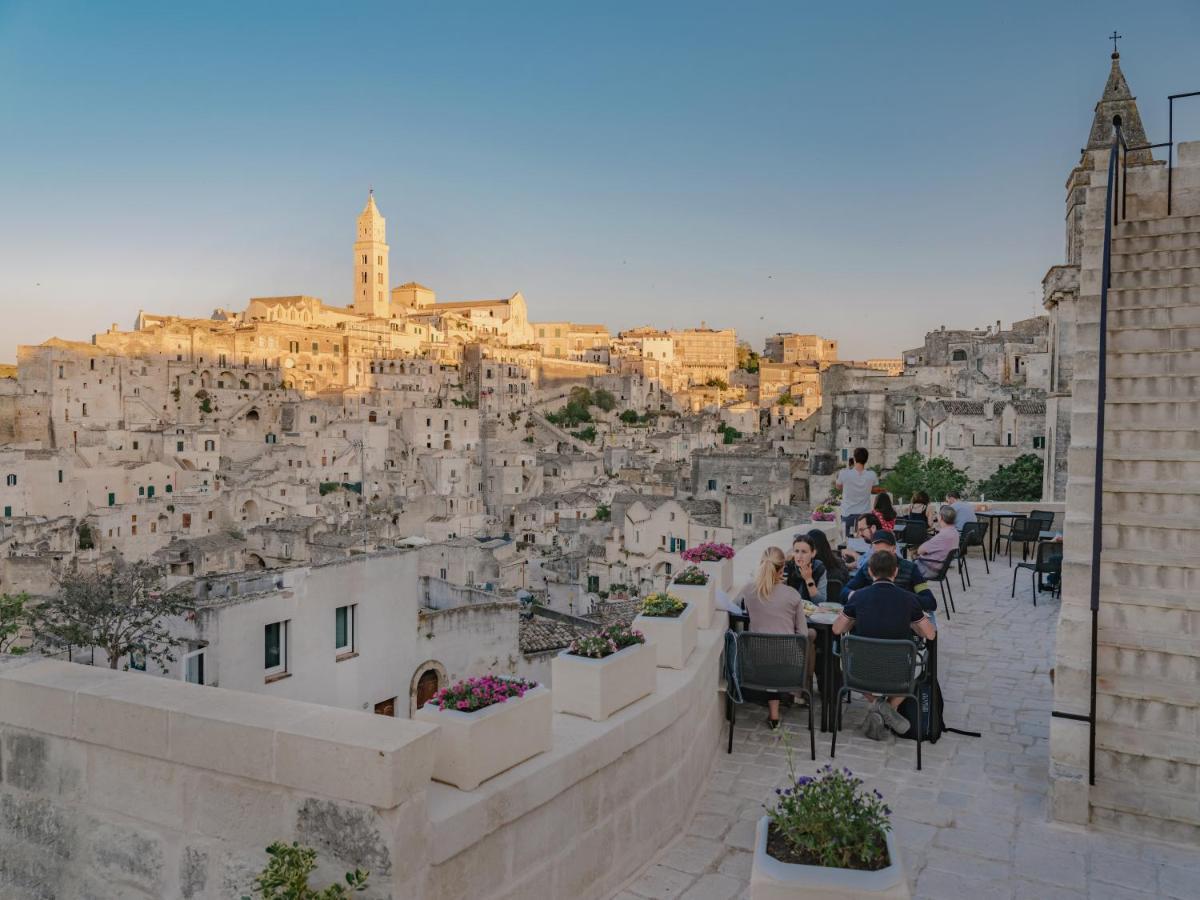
(1030, 407)
(963, 407)
(537, 634)
(609, 612)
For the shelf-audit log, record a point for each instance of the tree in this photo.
(12, 617)
(1020, 480)
(585, 434)
(913, 472)
(629, 417)
(786, 399)
(604, 399)
(747, 358)
(719, 383)
(603, 512)
(287, 872)
(118, 611)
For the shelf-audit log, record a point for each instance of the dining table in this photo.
(996, 515)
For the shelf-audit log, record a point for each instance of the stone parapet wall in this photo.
(120, 784)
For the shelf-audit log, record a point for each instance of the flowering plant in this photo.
(829, 820)
(707, 553)
(692, 575)
(479, 693)
(824, 513)
(663, 606)
(605, 642)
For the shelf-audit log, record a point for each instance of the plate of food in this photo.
(830, 606)
(809, 608)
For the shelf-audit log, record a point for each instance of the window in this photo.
(747, 518)
(60, 476)
(275, 648)
(169, 489)
(312, 420)
(11, 480)
(193, 667)
(112, 498)
(1039, 443)
(141, 491)
(8, 512)
(179, 446)
(1008, 438)
(316, 347)
(187, 519)
(210, 446)
(712, 484)
(343, 629)
(135, 445)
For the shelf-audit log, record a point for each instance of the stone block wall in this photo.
(116, 784)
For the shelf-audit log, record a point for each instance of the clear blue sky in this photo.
(867, 171)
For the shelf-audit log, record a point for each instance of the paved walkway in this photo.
(973, 823)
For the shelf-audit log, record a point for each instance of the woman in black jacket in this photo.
(804, 571)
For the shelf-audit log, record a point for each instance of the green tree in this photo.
(287, 872)
(119, 611)
(585, 434)
(12, 618)
(629, 417)
(719, 383)
(912, 472)
(786, 399)
(603, 512)
(1020, 480)
(604, 399)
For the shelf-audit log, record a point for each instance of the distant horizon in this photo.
(868, 178)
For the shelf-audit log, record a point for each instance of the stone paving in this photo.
(974, 822)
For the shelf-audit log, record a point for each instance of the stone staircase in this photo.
(1148, 703)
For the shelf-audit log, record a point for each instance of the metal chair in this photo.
(889, 668)
(940, 578)
(973, 534)
(1048, 561)
(774, 663)
(915, 533)
(1025, 530)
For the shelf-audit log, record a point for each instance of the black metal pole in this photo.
(1098, 476)
(1170, 147)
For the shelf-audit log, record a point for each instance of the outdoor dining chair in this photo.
(772, 663)
(915, 533)
(1024, 530)
(940, 578)
(973, 534)
(880, 667)
(1047, 561)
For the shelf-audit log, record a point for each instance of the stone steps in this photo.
(1142, 298)
(1125, 468)
(1180, 276)
(1150, 502)
(1161, 225)
(1104, 816)
(1183, 602)
(1151, 440)
(1158, 259)
(1177, 315)
(1168, 693)
(1153, 362)
(1176, 240)
(1138, 339)
(1164, 412)
(1139, 637)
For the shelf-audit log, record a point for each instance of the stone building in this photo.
(786, 347)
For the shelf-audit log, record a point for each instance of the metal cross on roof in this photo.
(1114, 37)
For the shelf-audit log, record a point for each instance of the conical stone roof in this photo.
(1118, 101)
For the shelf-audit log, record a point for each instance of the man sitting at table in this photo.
(908, 576)
(884, 610)
(964, 512)
(931, 555)
(864, 530)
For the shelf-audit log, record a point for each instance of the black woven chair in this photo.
(1024, 530)
(883, 668)
(973, 534)
(1047, 561)
(773, 663)
(940, 578)
(915, 533)
(1044, 518)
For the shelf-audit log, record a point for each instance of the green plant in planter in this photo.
(828, 820)
(286, 876)
(663, 606)
(692, 575)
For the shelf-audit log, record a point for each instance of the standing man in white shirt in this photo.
(858, 483)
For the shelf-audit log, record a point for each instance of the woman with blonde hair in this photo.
(775, 608)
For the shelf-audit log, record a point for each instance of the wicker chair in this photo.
(881, 667)
(774, 663)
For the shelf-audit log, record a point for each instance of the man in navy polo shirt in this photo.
(884, 610)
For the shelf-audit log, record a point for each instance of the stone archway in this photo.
(429, 678)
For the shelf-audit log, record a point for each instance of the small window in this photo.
(135, 445)
(187, 519)
(1039, 443)
(712, 484)
(8, 512)
(112, 499)
(11, 480)
(747, 518)
(169, 489)
(343, 629)
(193, 667)
(275, 648)
(60, 476)
(179, 446)
(141, 490)
(210, 446)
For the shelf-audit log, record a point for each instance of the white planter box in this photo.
(597, 688)
(703, 596)
(771, 879)
(720, 572)
(673, 639)
(472, 747)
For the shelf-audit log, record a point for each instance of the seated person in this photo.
(884, 511)
(908, 576)
(804, 572)
(775, 608)
(864, 529)
(931, 555)
(964, 512)
(919, 509)
(883, 610)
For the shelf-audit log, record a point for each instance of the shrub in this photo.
(479, 693)
(629, 417)
(692, 575)
(604, 399)
(603, 512)
(606, 642)
(663, 606)
(707, 552)
(1020, 480)
(586, 434)
(828, 820)
(286, 876)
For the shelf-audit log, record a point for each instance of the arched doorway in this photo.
(427, 680)
(250, 511)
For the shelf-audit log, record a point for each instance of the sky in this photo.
(866, 171)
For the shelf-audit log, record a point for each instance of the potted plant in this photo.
(488, 724)
(669, 624)
(826, 837)
(693, 585)
(601, 673)
(824, 513)
(715, 559)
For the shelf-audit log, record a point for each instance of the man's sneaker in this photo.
(892, 717)
(873, 726)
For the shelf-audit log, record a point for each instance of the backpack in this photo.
(932, 711)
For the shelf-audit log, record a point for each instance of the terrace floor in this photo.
(974, 822)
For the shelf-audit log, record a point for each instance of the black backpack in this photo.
(932, 711)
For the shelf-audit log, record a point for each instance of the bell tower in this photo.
(371, 291)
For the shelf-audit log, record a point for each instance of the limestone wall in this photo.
(117, 784)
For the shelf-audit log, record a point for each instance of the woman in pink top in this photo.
(775, 608)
